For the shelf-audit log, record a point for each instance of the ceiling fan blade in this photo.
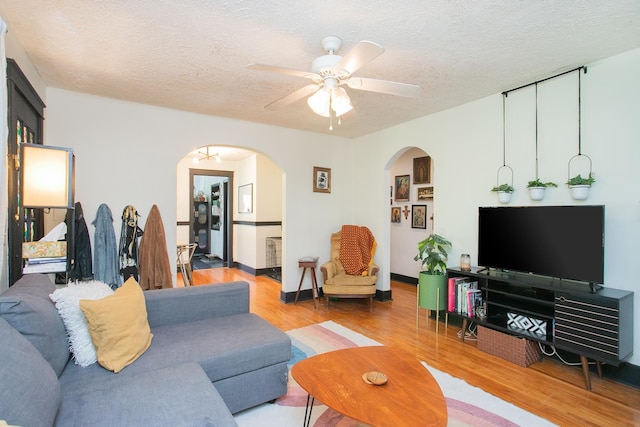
(360, 55)
(293, 97)
(384, 86)
(283, 70)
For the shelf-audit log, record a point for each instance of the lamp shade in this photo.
(319, 102)
(330, 98)
(340, 102)
(47, 176)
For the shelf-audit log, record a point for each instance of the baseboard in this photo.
(383, 296)
(246, 268)
(404, 279)
(305, 295)
(626, 373)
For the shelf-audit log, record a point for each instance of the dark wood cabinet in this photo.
(598, 326)
(594, 324)
(26, 122)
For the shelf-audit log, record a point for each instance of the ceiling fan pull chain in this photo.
(330, 113)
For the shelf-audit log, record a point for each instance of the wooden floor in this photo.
(548, 388)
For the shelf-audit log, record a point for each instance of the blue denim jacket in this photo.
(105, 254)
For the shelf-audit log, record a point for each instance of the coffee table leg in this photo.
(307, 411)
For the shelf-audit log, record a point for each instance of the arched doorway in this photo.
(411, 219)
(224, 173)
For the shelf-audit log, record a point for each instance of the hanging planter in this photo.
(537, 187)
(504, 192)
(579, 192)
(578, 185)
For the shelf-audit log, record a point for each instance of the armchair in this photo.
(351, 272)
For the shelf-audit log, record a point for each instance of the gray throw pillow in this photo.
(30, 388)
(27, 307)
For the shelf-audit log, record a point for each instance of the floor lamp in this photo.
(47, 181)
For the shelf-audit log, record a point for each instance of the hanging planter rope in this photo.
(578, 184)
(505, 189)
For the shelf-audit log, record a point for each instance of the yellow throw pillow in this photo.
(118, 326)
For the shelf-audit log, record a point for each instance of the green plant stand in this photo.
(431, 295)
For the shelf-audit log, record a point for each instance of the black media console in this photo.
(595, 324)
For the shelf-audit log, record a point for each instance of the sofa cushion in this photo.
(179, 395)
(224, 346)
(347, 280)
(118, 326)
(67, 300)
(30, 388)
(27, 307)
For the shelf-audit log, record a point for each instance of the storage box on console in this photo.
(44, 249)
(521, 351)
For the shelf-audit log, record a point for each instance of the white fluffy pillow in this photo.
(67, 302)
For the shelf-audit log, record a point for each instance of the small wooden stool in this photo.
(304, 264)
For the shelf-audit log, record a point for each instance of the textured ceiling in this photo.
(192, 55)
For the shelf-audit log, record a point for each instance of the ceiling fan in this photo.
(331, 71)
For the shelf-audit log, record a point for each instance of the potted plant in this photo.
(504, 192)
(579, 186)
(432, 254)
(537, 187)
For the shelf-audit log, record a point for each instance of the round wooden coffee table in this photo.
(411, 397)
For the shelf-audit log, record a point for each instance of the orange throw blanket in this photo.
(357, 246)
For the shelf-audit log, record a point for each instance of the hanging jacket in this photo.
(82, 268)
(155, 270)
(105, 258)
(128, 252)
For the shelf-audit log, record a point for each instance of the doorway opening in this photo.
(210, 226)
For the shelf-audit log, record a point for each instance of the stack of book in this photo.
(44, 257)
(463, 296)
(45, 265)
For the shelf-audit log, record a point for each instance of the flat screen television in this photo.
(565, 242)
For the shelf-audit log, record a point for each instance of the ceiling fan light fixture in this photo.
(340, 102)
(319, 102)
(327, 99)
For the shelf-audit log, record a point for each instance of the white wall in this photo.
(127, 153)
(402, 235)
(466, 145)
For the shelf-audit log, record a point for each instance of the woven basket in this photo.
(521, 351)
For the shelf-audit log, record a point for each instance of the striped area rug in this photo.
(467, 405)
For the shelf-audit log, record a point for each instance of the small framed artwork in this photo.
(245, 198)
(402, 188)
(321, 180)
(425, 194)
(419, 216)
(395, 214)
(422, 170)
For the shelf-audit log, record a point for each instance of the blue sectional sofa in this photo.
(209, 358)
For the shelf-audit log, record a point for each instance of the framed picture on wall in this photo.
(403, 186)
(425, 194)
(245, 198)
(422, 170)
(419, 216)
(321, 180)
(395, 214)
